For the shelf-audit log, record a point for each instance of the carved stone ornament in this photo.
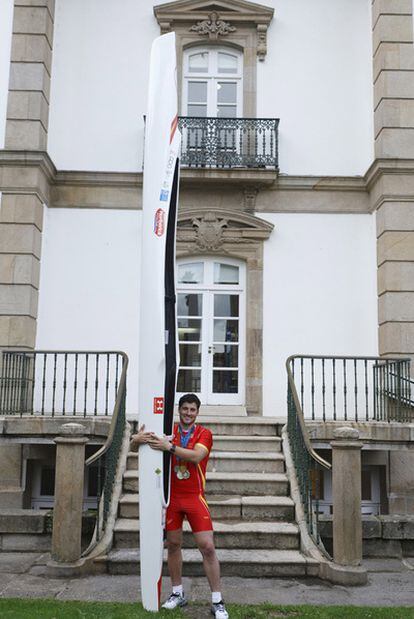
(261, 41)
(250, 195)
(213, 27)
(209, 231)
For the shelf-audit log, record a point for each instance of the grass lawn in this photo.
(51, 609)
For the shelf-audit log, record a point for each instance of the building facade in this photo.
(296, 220)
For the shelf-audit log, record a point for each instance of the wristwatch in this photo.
(172, 449)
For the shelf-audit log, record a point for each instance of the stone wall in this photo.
(383, 536)
(391, 178)
(21, 213)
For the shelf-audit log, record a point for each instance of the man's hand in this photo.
(159, 443)
(140, 438)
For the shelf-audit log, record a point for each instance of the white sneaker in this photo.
(219, 610)
(175, 601)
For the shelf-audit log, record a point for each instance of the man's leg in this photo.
(175, 559)
(205, 543)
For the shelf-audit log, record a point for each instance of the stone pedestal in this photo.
(11, 491)
(67, 513)
(346, 490)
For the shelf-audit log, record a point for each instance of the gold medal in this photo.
(182, 472)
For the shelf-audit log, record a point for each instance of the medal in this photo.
(181, 471)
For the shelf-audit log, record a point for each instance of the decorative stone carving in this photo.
(213, 27)
(209, 231)
(250, 195)
(165, 27)
(216, 230)
(239, 22)
(261, 41)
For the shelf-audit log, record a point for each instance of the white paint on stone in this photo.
(319, 293)
(89, 284)
(317, 77)
(319, 289)
(99, 87)
(6, 20)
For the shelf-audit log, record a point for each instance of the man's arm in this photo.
(189, 455)
(140, 438)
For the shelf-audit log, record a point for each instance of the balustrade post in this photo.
(69, 481)
(346, 490)
(346, 569)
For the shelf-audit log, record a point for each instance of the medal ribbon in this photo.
(185, 436)
(184, 440)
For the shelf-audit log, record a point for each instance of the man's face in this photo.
(188, 413)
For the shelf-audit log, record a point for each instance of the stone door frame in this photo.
(227, 234)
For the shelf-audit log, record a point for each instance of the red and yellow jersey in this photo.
(196, 482)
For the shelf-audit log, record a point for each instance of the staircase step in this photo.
(244, 563)
(231, 461)
(249, 462)
(243, 426)
(247, 443)
(263, 535)
(254, 484)
(252, 508)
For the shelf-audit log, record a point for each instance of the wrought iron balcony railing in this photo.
(229, 142)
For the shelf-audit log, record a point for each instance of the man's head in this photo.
(188, 409)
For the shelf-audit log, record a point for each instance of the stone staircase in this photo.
(248, 494)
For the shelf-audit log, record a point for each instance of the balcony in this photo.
(229, 149)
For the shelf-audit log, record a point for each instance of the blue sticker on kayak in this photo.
(164, 195)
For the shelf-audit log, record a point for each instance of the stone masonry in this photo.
(22, 200)
(392, 174)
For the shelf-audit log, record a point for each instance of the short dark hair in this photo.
(191, 398)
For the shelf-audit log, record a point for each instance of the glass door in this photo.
(223, 349)
(210, 312)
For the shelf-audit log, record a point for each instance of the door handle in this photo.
(210, 349)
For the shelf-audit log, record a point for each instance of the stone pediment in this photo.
(216, 20)
(212, 229)
(187, 10)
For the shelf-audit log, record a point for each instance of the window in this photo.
(211, 328)
(213, 82)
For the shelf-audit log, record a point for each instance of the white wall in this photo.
(319, 289)
(319, 293)
(89, 284)
(6, 20)
(317, 78)
(99, 83)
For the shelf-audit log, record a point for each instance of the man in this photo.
(190, 448)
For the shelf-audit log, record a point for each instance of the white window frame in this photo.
(208, 289)
(212, 77)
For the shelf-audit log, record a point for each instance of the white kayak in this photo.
(158, 357)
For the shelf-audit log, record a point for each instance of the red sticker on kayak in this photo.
(159, 222)
(158, 406)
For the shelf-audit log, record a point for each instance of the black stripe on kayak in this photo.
(170, 326)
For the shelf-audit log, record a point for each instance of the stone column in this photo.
(391, 178)
(67, 512)
(25, 168)
(346, 491)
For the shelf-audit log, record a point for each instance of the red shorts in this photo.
(194, 507)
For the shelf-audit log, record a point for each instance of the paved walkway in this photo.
(391, 583)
